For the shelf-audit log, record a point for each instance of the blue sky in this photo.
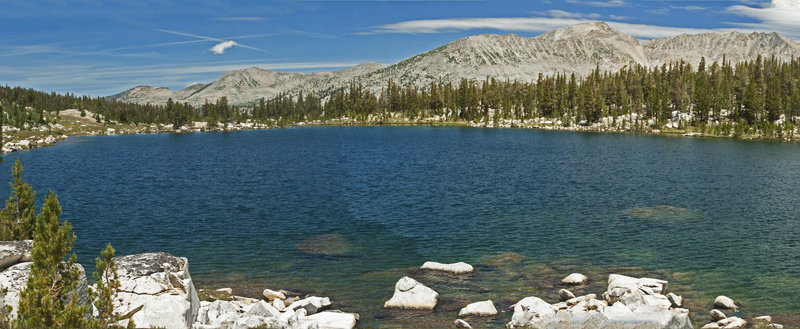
(99, 47)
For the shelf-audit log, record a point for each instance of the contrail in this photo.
(201, 37)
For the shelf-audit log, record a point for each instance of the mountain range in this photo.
(575, 49)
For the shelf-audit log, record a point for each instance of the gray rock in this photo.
(15, 252)
(575, 278)
(717, 315)
(311, 304)
(462, 324)
(331, 320)
(14, 280)
(565, 294)
(484, 308)
(160, 284)
(278, 305)
(776, 326)
(765, 320)
(532, 312)
(732, 323)
(410, 294)
(712, 325)
(271, 294)
(455, 268)
(725, 302)
(656, 285)
(677, 301)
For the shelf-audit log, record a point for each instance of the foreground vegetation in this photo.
(50, 297)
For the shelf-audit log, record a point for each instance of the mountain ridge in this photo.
(577, 49)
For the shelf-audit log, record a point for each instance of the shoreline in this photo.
(35, 137)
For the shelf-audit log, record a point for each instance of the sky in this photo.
(100, 47)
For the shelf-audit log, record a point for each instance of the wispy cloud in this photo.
(781, 16)
(206, 38)
(608, 3)
(529, 24)
(221, 47)
(239, 19)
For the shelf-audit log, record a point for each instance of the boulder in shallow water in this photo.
(462, 324)
(656, 285)
(311, 304)
(732, 323)
(410, 294)
(531, 312)
(725, 302)
(326, 245)
(271, 294)
(160, 287)
(717, 315)
(575, 278)
(565, 294)
(484, 308)
(455, 268)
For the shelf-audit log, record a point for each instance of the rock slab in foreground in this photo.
(410, 294)
(160, 284)
(455, 268)
(484, 308)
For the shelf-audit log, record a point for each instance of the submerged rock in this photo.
(484, 308)
(410, 294)
(661, 214)
(503, 259)
(326, 245)
(455, 268)
(158, 289)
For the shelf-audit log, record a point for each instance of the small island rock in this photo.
(724, 302)
(410, 294)
(484, 308)
(455, 268)
(575, 278)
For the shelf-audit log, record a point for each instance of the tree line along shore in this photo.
(757, 99)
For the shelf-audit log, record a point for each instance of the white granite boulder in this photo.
(532, 312)
(159, 285)
(484, 308)
(311, 304)
(455, 268)
(410, 294)
(272, 294)
(575, 278)
(725, 302)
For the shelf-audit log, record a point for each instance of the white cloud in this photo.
(608, 3)
(221, 47)
(529, 24)
(781, 16)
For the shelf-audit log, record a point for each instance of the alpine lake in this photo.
(345, 212)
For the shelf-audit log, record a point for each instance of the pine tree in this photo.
(106, 289)
(17, 219)
(49, 299)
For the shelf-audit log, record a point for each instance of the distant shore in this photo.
(71, 124)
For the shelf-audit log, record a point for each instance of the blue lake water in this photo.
(713, 216)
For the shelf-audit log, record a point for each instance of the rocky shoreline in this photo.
(158, 291)
(76, 125)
